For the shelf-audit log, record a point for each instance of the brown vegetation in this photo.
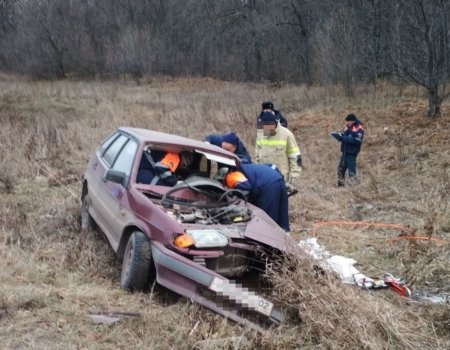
(53, 275)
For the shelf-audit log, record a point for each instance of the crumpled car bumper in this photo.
(185, 277)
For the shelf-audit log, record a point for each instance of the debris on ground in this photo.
(110, 317)
(232, 342)
(433, 297)
(346, 270)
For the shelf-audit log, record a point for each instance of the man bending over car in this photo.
(266, 188)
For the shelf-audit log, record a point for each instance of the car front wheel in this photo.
(138, 269)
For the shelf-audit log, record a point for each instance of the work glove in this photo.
(299, 161)
(291, 190)
(294, 180)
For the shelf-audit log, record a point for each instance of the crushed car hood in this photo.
(260, 228)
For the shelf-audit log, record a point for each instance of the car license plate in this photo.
(264, 306)
(241, 295)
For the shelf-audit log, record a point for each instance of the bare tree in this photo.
(423, 48)
(7, 26)
(300, 41)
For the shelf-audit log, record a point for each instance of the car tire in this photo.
(138, 269)
(87, 221)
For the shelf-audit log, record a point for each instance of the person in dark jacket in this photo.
(268, 107)
(230, 142)
(351, 140)
(158, 168)
(266, 189)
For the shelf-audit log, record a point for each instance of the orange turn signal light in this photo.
(184, 241)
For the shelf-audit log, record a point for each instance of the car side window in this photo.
(111, 154)
(124, 161)
(107, 142)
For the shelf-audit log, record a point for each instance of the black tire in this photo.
(87, 222)
(138, 269)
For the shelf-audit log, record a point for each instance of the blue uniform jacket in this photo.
(351, 138)
(266, 190)
(241, 151)
(260, 176)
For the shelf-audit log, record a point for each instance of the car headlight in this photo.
(207, 238)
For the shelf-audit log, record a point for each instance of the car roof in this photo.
(162, 139)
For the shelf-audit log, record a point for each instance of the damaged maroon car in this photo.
(196, 238)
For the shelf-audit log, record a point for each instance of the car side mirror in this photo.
(115, 176)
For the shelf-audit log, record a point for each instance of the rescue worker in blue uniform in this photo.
(266, 188)
(268, 107)
(230, 142)
(158, 168)
(351, 140)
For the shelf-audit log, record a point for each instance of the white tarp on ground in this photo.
(341, 265)
(345, 269)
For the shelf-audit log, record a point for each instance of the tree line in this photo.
(300, 41)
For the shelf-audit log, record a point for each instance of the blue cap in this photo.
(267, 118)
(231, 138)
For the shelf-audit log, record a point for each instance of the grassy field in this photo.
(53, 276)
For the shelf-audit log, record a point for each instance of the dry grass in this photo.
(53, 276)
(335, 317)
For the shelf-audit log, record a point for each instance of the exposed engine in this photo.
(203, 201)
(206, 202)
(223, 215)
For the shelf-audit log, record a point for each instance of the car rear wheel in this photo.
(138, 269)
(87, 222)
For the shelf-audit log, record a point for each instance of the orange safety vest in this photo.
(171, 160)
(234, 178)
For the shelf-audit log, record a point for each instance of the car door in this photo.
(98, 166)
(107, 195)
(119, 204)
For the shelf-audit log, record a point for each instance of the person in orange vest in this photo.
(266, 187)
(351, 140)
(160, 172)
